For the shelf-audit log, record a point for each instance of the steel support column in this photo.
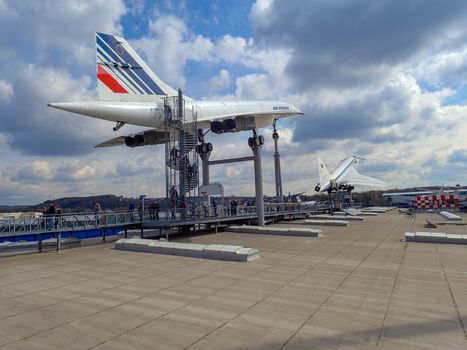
(205, 165)
(277, 165)
(256, 143)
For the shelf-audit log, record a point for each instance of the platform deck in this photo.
(358, 287)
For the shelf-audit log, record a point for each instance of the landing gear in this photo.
(118, 126)
(255, 140)
(204, 150)
(203, 147)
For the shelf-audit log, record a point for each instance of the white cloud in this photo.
(445, 68)
(66, 28)
(230, 49)
(37, 171)
(219, 82)
(6, 91)
(168, 45)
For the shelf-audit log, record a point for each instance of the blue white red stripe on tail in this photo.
(124, 65)
(109, 81)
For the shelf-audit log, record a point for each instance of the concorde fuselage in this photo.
(150, 114)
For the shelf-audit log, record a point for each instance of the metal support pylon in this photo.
(277, 164)
(256, 142)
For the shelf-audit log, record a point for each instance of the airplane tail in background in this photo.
(353, 177)
(122, 75)
(324, 175)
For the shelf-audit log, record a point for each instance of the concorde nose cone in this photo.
(81, 107)
(296, 110)
(67, 106)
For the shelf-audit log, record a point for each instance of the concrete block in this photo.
(247, 254)
(5, 244)
(449, 216)
(352, 211)
(292, 231)
(191, 250)
(435, 237)
(210, 251)
(23, 244)
(337, 217)
(327, 222)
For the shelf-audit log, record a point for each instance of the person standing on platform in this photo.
(51, 214)
(58, 215)
(173, 201)
(152, 210)
(157, 209)
(131, 209)
(97, 211)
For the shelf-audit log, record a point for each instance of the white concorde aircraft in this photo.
(345, 176)
(130, 93)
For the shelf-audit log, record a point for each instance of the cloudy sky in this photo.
(385, 80)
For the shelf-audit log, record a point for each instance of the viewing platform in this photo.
(91, 225)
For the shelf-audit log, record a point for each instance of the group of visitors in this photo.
(154, 209)
(52, 214)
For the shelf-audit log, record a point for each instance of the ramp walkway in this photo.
(243, 215)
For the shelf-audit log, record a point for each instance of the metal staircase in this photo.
(182, 175)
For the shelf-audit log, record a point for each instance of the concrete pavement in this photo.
(355, 287)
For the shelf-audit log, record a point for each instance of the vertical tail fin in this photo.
(123, 75)
(324, 175)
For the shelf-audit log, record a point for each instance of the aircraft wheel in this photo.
(197, 149)
(317, 188)
(204, 148)
(209, 147)
(251, 142)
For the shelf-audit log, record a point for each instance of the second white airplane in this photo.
(130, 93)
(345, 176)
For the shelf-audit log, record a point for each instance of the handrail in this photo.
(66, 222)
(86, 221)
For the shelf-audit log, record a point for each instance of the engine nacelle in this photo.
(216, 127)
(233, 125)
(135, 141)
(150, 137)
(222, 126)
